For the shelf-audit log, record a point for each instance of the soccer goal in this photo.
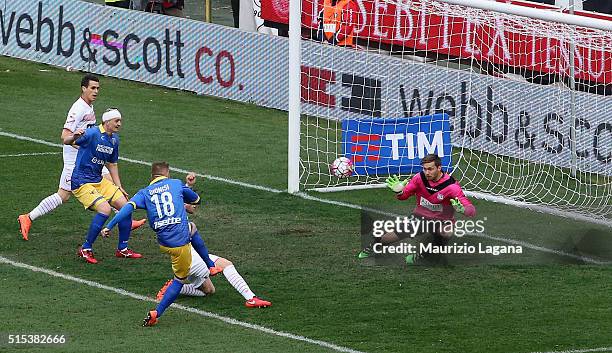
(517, 100)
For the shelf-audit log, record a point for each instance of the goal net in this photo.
(517, 107)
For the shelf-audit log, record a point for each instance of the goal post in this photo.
(526, 91)
(295, 50)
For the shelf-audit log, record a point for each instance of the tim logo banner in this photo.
(396, 146)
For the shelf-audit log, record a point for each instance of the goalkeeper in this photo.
(438, 197)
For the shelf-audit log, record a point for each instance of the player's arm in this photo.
(462, 204)
(403, 189)
(125, 212)
(71, 124)
(190, 181)
(78, 137)
(190, 196)
(113, 169)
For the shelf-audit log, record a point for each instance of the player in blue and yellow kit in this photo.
(99, 147)
(164, 201)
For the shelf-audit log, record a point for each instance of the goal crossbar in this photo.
(531, 12)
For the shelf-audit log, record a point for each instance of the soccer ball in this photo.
(342, 167)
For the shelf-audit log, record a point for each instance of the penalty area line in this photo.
(586, 350)
(29, 154)
(203, 313)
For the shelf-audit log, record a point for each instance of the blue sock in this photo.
(172, 292)
(198, 244)
(97, 223)
(125, 228)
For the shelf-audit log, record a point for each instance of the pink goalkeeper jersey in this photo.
(433, 198)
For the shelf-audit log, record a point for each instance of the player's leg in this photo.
(202, 289)
(440, 239)
(385, 239)
(240, 285)
(90, 198)
(135, 223)
(208, 288)
(48, 204)
(199, 277)
(181, 264)
(112, 193)
(205, 287)
(199, 246)
(199, 283)
(435, 233)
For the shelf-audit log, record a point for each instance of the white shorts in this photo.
(198, 273)
(64, 182)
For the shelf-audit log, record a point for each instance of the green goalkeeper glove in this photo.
(457, 205)
(394, 183)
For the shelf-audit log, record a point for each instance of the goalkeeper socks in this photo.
(97, 223)
(45, 206)
(169, 297)
(191, 290)
(200, 247)
(125, 228)
(236, 280)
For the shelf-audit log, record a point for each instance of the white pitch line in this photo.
(136, 161)
(542, 249)
(313, 198)
(602, 349)
(28, 154)
(207, 314)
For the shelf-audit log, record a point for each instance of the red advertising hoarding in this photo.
(394, 22)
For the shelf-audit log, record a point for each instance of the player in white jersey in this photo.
(80, 116)
(200, 284)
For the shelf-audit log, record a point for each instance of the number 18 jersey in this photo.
(164, 201)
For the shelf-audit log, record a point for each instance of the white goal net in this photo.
(518, 107)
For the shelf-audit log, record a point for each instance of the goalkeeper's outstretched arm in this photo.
(409, 189)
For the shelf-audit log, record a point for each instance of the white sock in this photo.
(236, 280)
(45, 206)
(191, 290)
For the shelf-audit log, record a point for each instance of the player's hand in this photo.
(127, 196)
(78, 133)
(394, 183)
(457, 205)
(105, 232)
(190, 208)
(190, 180)
(215, 270)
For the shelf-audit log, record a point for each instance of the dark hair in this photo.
(89, 77)
(432, 158)
(159, 168)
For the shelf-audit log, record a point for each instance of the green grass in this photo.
(298, 253)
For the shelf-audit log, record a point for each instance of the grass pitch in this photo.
(298, 253)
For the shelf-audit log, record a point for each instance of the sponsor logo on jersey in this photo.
(97, 161)
(167, 222)
(430, 206)
(104, 149)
